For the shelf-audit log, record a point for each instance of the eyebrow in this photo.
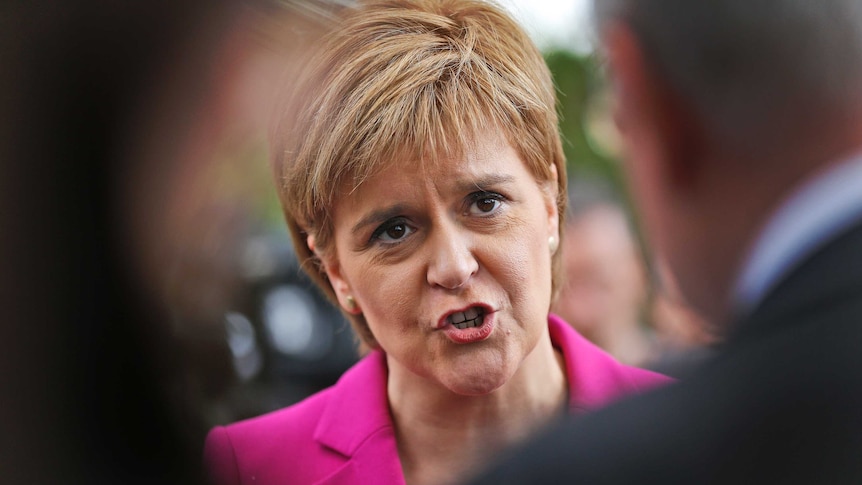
(484, 181)
(378, 216)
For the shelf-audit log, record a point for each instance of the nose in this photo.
(452, 261)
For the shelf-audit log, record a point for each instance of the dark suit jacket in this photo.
(780, 403)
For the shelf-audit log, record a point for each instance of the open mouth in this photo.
(472, 317)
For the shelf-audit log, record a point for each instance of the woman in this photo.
(424, 183)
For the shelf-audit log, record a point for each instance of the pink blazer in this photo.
(344, 434)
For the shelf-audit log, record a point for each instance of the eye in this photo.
(485, 203)
(392, 232)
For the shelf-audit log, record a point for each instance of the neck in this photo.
(443, 437)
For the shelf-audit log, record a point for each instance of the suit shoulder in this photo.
(295, 422)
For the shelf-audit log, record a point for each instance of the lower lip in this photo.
(473, 334)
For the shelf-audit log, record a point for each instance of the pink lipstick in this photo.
(472, 324)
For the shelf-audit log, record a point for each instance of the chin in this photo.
(472, 389)
(478, 383)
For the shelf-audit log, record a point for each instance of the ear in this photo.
(659, 130)
(551, 196)
(340, 285)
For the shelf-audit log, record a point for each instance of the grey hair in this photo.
(751, 68)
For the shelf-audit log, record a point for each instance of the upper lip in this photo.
(444, 320)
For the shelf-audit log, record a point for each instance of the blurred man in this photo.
(605, 290)
(742, 123)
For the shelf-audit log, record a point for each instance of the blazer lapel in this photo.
(356, 424)
(346, 475)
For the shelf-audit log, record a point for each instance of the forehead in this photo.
(490, 159)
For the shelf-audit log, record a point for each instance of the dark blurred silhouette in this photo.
(81, 400)
(114, 347)
(742, 128)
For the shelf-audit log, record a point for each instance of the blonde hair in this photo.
(402, 80)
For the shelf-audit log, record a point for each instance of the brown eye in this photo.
(393, 232)
(396, 232)
(486, 204)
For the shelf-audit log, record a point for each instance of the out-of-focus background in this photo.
(149, 278)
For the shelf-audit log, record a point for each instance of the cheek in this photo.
(525, 268)
(386, 291)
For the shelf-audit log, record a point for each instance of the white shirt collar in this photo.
(810, 217)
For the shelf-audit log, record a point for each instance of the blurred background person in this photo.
(605, 291)
(616, 295)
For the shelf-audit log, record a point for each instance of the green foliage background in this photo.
(580, 82)
(582, 98)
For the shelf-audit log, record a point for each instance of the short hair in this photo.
(752, 70)
(404, 80)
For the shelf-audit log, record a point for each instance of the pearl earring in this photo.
(553, 243)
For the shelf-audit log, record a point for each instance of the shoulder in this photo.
(295, 442)
(248, 447)
(595, 377)
(293, 423)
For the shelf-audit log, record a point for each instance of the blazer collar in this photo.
(358, 407)
(356, 423)
(827, 278)
(594, 377)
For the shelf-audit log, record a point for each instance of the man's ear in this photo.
(658, 127)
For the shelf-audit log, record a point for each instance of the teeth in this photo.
(471, 318)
